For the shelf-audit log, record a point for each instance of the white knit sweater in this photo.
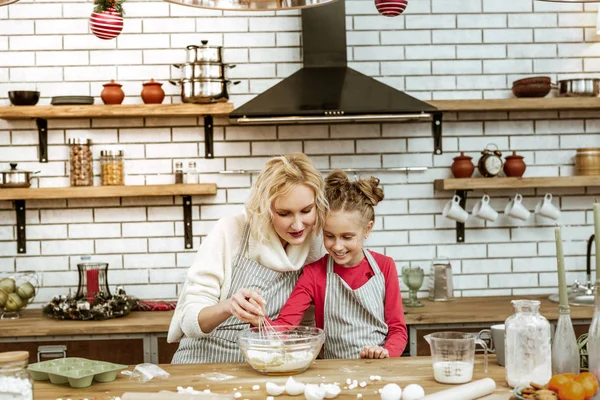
(209, 278)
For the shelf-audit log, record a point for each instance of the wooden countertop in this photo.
(403, 371)
(460, 311)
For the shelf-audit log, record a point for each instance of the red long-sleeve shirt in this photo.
(311, 286)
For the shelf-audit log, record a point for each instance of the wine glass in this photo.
(413, 279)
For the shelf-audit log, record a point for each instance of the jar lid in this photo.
(112, 83)
(111, 153)
(12, 356)
(79, 140)
(462, 157)
(152, 82)
(514, 156)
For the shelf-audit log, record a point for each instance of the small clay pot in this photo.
(112, 93)
(152, 93)
(462, 167)
(514, 166)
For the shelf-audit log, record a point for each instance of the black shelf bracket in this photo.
(21, 235)
(187, 222)
(209, 151)
(42, 125)
(460, 226)
(437, 132)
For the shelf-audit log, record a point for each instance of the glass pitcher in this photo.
(527, 347)
(453, 356)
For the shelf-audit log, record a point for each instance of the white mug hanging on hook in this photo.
(516, 209)
(454, 211)
(545, 208)
(483, 210)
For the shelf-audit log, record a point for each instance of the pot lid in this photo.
(152, 82)
(252, 5)
(204, 46)
(13, 170)
(462, 157)
(112, 83)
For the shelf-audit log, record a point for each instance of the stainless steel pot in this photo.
(203, 70)
(204, 53)
(204, 90)
(587, 87)
(14, 178)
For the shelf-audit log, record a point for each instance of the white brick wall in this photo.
(439, 49)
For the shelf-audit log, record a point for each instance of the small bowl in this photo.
(24, 97)
(531, 90)
(291, 351)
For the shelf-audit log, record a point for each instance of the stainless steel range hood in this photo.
(326, 90)
(251, 5)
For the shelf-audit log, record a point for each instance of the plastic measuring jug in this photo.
(453, 356)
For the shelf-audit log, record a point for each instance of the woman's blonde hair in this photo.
(361, 195)
(278, 177)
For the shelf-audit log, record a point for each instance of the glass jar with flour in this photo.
(527, 346)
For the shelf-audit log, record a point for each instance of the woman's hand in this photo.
(247, 305)
(374, 352)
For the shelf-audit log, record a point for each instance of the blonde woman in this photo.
(255, 255)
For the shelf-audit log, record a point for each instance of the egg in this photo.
(274, 389)
(294, 388)
(331, 391)
(313, 392)
(391, 391)
(413, 392)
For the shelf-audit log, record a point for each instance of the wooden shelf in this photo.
(516, 183)
(115, 111)
(557, 103)
(20, 196)
(107, 191)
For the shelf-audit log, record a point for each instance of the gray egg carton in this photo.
(77, 372)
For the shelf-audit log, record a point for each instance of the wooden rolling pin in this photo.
(468, 391)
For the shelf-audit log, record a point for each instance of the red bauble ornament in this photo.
(391, 8)
(106, 24)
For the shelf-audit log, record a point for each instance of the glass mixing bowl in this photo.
(287, 350)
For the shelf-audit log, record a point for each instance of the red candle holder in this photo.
(93, 279)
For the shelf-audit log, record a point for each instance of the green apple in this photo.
(8, 285)
(14, 302)
(3, 298)
(26, 291)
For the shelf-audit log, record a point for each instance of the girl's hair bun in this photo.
(371, 190)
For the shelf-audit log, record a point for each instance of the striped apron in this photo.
(221, 344)
(353, 318)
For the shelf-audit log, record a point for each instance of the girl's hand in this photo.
(374, 352)
(247, 305)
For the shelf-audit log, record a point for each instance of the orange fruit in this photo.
(558, 381)
(572, 391)
(570, 375)
(589, 383)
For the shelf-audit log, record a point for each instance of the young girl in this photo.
(355, 291)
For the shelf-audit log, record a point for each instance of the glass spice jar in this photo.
(80, 162)
(112, 167)
(15, 381)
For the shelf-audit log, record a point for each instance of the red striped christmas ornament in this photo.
(106, 24)
(391, 8)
